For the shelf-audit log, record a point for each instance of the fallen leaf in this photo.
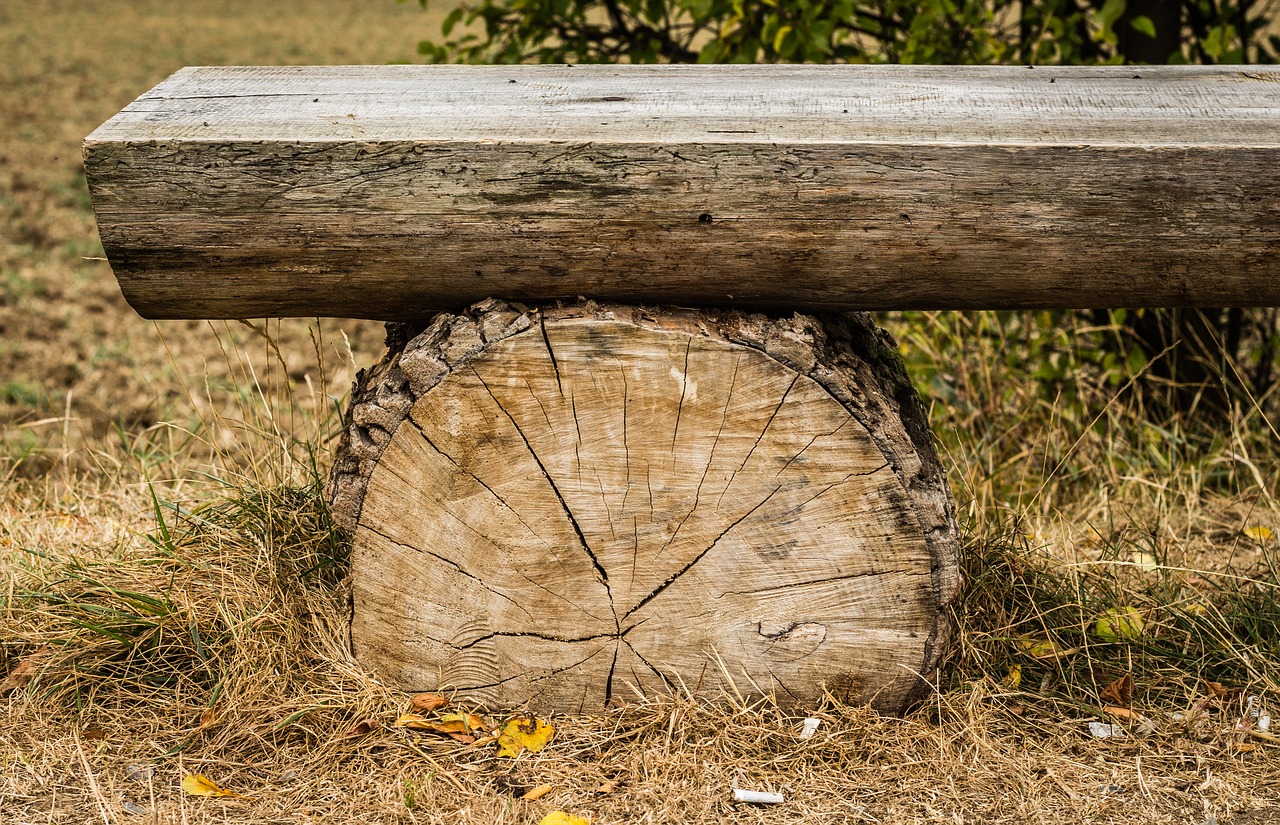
(1014, 679)
(1119, 692)
(362, 727)
(199, 785)
(470, 722)
(1119, 624)
(25, 670)
(1044, 648)
(458, 726)
(609, 787)
(1145, 561)
(427, 702)
(94, 733)
(536, 793)
(207, 719)
(1260, 534)
(524, 734)
(1121, 713)
(562, 818)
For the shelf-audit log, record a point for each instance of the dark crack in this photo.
(528, 634)
(456, 567)
(658, 590)
(601, 574)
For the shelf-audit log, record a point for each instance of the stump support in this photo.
(567, 506)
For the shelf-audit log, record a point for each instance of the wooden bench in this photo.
(571, 503)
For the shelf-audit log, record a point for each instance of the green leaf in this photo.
(1143, 25)
(451, 20)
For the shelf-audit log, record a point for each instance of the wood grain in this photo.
(564, 507)
(392, 192)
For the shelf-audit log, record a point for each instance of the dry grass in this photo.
(167, 565)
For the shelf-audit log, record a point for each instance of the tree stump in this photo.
(572, 506)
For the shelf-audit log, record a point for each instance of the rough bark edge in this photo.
(848, 355)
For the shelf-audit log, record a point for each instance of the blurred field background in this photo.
(171, 600)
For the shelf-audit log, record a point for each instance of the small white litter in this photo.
(757, 797)
(809, 727)
(1104, 730)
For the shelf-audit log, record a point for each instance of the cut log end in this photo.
(573, 507)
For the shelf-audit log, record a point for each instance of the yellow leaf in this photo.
(1260, 533)
(779, 37)
(1044, 649)
(414, 721)
(469, 722)
(524, 734)
(1014, 678)
(562, 818)
(200, 785)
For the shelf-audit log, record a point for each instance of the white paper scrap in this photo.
(757, 797)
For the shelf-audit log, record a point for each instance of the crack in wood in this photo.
(700, 556)
(473, 477)
(812, 441)
(601, 573)
(494, 544)
(665, 681)
(456, 567)
(608, 682)
(540, 677)
(697, 494)
(759, 438)
(546, 339)
(797, 508)
(684, 386)
(829, 579)
(530, 634)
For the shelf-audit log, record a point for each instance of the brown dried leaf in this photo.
(207, 719)
(536, 793)
(26, 670)
(1119, 692)
(426, 702)
(363, 727)
(1121, 713)
(94, 733)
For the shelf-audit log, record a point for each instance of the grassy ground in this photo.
(170, 580)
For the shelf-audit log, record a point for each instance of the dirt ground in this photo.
(100, 408)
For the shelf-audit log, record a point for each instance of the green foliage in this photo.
(842, 31)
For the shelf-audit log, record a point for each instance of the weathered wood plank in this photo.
(391, 192)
